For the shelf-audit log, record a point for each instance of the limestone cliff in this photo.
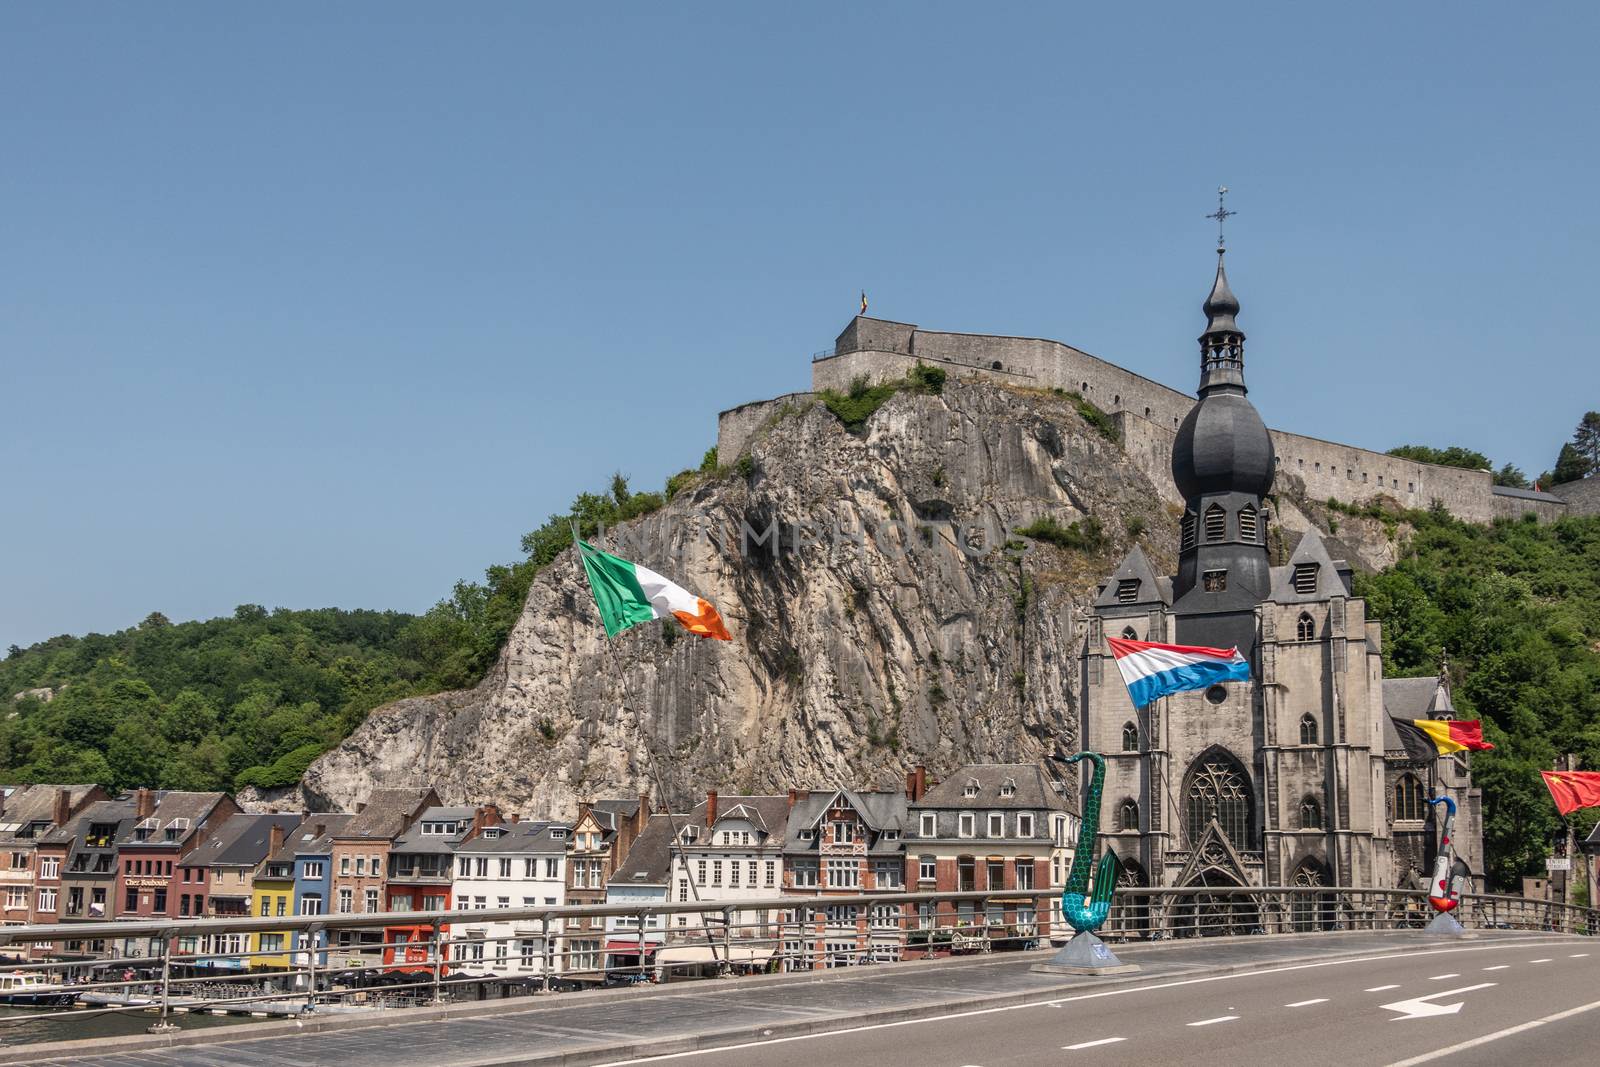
(851, 659)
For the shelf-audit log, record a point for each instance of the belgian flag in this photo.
(1428, 739)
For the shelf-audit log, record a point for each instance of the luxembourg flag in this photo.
(1152, 671)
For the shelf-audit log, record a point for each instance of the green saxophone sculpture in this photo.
(1085, 908)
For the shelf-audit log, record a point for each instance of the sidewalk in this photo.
(615, 1024)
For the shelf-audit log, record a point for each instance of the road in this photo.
(1469, 1004)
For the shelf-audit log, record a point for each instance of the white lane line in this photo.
(1545, 960)
(1439, 1054)
(1577, 955)
(1307, 1003)
(1218, 1019)
(1442, 977)
(1092, 1044)
(1380, 988)
(1498, 967)
(1487, 946)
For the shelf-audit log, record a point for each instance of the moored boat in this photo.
(26, 989)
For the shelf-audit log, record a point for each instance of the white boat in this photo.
(29, 989)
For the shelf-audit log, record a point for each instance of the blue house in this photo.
(313, 876)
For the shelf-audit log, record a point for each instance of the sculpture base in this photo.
(1085, 954)
(1445, 924)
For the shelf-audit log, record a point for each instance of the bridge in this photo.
(1356, 989)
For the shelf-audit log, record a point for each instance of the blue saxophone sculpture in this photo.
(1085, 909)
(1450, 874)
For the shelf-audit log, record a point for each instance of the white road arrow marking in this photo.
(1419, 1008)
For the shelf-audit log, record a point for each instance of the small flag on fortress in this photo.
(1152, 671)
(863, 301)
(627, 593)
(1572, 790)
(1428, 739)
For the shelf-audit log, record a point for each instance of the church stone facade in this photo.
(1296, 776)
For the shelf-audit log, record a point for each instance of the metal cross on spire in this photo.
(1221, 214)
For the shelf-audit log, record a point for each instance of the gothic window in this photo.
(1308, 729)
(1247, 525)
(1216, 523)
(1129, 634)
(1306, 628)
(1130, 737)
(1218, 790)
(1310, 814)
(1305, 578)
(1128, 815)
(1128, 591)
(1189, 522)
(1408, 803)
(1215, 581)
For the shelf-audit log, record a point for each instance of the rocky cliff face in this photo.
(854, 655)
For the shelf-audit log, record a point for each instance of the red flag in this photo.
(1573, 789)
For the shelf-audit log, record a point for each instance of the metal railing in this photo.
(431, 957)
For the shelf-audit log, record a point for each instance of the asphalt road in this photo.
(1530, 1001)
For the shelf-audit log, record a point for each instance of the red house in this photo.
(165, 828)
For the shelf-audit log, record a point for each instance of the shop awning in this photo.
(713, 954)
(631, 948)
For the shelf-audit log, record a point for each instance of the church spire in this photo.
(1222, 345)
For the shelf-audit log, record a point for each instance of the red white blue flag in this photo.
(1152, 671)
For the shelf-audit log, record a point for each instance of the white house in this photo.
(519, 864)
(642, 879)
(728, 848)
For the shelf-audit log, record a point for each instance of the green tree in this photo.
(1511, 477)
(1571, 465)
(187, 718)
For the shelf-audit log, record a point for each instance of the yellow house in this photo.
(273, 894)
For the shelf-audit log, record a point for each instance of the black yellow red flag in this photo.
(1426, 740)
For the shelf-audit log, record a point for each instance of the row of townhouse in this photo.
(1007, 830)
(77, 854)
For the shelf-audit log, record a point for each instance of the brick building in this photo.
(844, 843)
(166, 827)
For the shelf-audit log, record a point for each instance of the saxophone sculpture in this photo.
(1450, 874)
(1085, 909)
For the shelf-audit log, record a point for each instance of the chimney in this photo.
(516, 817)
(317, 828)
(584, 808)
(643, 816)
(711, 809)
(917, 782)
(275, 836)
(144, 803)
(794, 797)
(63, 809)
(488, 815)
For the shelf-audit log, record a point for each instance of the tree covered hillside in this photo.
(1516, 607)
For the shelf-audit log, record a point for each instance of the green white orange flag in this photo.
(628, 594)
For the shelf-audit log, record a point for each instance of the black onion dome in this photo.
(1222, 447)
(1221, 306)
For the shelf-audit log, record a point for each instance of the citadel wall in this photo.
(1148, 413)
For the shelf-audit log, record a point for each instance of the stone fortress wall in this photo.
(1147, 412)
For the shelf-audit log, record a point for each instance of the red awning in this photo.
(630, 948)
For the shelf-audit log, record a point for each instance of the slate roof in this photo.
(1411, 698)
(519, 838)
(171, 805)
(1035, 789)
(770, 814)
(1525, 494)
(415, 841)
(1135, 567)
(880, 810)
(650, 858)
(304, 840)
(28, 805)
(1309, 550)
(242, 841)
(387, 813)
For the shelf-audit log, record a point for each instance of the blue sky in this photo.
(307, 304)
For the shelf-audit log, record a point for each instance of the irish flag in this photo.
(627, 593)
(1152, 671)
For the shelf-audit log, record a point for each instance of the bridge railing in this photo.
(356, 962)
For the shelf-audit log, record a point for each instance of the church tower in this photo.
(1222, 463)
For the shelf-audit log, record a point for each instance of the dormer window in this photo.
(1216, 523)
(559, 833)
(1247, 524)
(1128, 591)
(971, 788)
(1009, 788)
(143, 831)
(1305, 578)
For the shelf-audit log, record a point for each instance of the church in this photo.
(1295, 777)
